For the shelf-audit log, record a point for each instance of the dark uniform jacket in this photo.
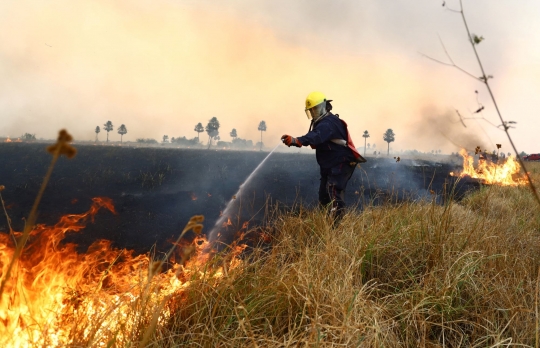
(328, 153)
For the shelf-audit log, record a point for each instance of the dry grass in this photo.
(408, 275)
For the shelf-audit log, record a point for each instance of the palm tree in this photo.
(97, 131)
(199, 129)
(28, 137)
(108, 127)
(262, 128)
(233, 133)
(365, 136)
(212, 128)
(389, 137)
(165, 139)
(122, 130)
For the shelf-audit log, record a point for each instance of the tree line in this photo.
(212, 129)
(108, 127)
(389, 136)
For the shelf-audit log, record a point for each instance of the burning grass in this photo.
(504, 172)
(104, 297)
(412, 274)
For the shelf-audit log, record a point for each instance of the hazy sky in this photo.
(162, 66)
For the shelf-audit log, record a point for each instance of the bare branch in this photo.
(452, 65)
(481, 118)
(452, 10)
(445, 50)
(461, 118)
(8, 219)
(503, 122)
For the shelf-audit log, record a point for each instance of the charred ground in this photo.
(156, 190)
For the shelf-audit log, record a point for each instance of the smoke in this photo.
(438, 128)
(162, 67)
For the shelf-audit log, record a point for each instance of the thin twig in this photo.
(452, 64)
(8, 221)
(484, 80)
(461, 118)
(483, 119)
(445, 50)
(30, 222)
(449, 9)
(449, 64)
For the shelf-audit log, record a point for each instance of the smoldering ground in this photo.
(156, 191)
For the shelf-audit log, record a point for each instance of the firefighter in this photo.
(334, 149)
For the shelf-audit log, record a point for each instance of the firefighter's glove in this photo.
(290, 141)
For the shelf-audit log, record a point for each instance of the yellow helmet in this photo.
(316, 105)
(314, 99)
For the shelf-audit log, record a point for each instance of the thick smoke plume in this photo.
(162, 67)
(440, 128)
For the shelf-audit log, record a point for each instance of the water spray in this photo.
(226, 212)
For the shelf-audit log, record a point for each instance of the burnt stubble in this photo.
(156, 190)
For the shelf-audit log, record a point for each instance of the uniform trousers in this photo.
(332, 187)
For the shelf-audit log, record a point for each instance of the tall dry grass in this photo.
(408, 275)
(413, 274)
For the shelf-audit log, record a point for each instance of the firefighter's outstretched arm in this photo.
(290, 141)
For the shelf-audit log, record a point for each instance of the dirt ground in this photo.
(156, 190)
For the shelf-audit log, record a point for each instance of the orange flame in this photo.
(227, 223)
(506, 173)
(58, 297)
(266, 237)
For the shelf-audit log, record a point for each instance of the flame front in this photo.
(227, 223)
(506, 173)
(58, 297)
